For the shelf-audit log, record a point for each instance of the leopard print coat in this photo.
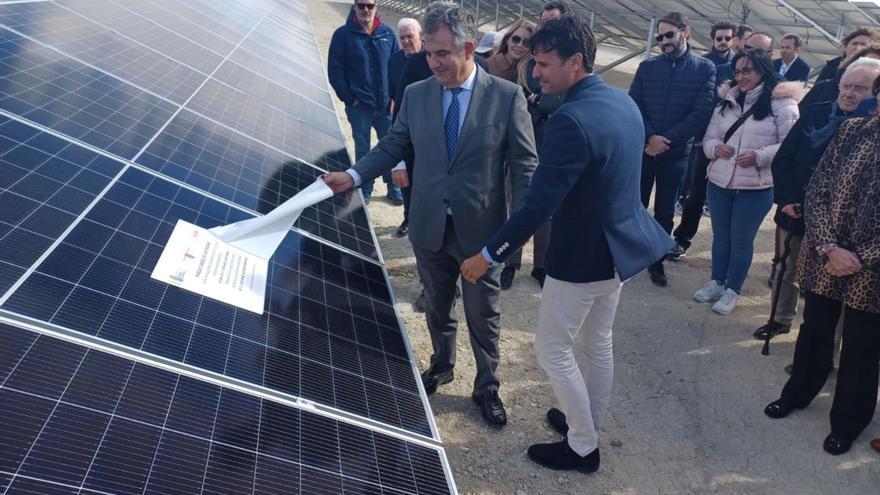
(843, 206)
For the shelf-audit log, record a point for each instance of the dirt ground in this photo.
(690, 385)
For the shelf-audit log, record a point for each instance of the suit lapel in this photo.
(475, 110)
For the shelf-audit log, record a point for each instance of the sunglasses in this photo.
(366, 6)
(669, 35)
(516, 39)
(723, 38)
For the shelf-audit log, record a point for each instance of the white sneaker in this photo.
(727, 302)
(710, 293)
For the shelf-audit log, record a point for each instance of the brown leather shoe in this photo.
(876, 444)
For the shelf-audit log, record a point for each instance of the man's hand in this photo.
(400, 178)
(842, 262)
(474, 267)
(657, 145)
(790, 210)
(747, 159)
(338, 181)
(724, 151)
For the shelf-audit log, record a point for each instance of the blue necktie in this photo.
(451, 125)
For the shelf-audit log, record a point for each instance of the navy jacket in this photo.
(396, 64)
(588, 181)
(795, 162)
(829, 70)
(717, 58)
(675, 98)
(358, 63)
(799, 70)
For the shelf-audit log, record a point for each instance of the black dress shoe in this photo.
(491, 407)
(556, 418)
(835, 445)
(507, 276)
(403, 230)
(771, 330)
(432, 379)
(539, 274)
(778, 409)
(676, 253)
(560, 456)
(658, 274)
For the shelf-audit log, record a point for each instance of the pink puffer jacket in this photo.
(762, 136)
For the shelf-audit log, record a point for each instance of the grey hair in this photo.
(409, 21)
(867, 62)
(451, 15)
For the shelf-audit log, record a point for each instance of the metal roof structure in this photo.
(628, 24)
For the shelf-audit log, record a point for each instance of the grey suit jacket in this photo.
(496, 135)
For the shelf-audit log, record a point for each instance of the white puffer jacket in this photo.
(761, 136)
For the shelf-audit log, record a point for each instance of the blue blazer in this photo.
(588, 181)
(799, 70)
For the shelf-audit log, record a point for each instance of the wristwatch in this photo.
(824, 249)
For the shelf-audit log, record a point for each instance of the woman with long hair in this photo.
(746, 129)
(514, 48)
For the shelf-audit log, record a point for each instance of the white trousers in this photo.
(573, 346)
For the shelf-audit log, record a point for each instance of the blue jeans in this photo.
(669, 174)
(362, 120)
(736, 216)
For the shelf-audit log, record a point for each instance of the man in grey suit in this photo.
(467, 129)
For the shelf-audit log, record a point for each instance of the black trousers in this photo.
(855, 396)
(407, 191)
(696, 198)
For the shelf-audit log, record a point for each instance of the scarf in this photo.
(819, 138)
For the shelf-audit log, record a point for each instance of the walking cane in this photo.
(783, 261)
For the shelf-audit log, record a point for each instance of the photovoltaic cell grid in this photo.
(77, 420)
(329, 334)
(53, 90)
(213, 158)
(45, 183)
(111, 74)
(103, 48)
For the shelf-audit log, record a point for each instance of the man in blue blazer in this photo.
(789, 64)
(588, 181)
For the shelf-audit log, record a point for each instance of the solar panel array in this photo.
(117, 119)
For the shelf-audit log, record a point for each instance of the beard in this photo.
(678, 49)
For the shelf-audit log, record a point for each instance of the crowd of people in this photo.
(489, 143)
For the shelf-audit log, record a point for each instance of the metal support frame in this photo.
(650, 41)
(629, 56)
(794, 10)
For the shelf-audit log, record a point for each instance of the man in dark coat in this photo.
(722, 37)
(588, 181)
(357, 67)
(675, 92)
(790, 65)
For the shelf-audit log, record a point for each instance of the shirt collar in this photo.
(468, 84)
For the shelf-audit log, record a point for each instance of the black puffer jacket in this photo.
(795, 162)
(676, 98)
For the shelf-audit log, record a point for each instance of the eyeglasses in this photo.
(668, 35)
(516, 39)
(744, 72)
(723, 38)
(366, 6)
(855, 88)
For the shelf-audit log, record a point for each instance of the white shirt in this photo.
(783, 67)
(464, 101)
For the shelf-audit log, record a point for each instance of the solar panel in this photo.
(330, 333)
(117, 119)
(78, 420)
